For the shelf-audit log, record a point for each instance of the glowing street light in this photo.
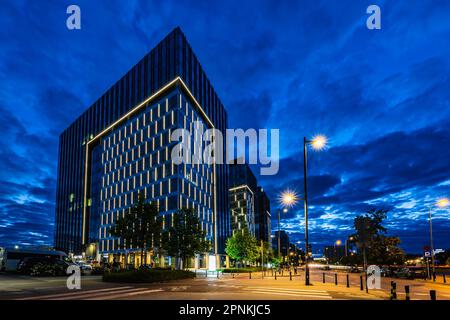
(338, 242)
(287, 199)
(442, 203)
(318, 142)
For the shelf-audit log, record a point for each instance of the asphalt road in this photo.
(225, 287)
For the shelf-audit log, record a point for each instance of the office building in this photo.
(262, 216)
(243, 187)
(121, 146)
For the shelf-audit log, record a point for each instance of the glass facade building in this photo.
(242, 193)
(262, 215)
(121, 146)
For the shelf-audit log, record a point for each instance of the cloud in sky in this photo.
(383, 98)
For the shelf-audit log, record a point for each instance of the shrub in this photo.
(47, 270)
(240, 270)
(97, 270)
(147, 276)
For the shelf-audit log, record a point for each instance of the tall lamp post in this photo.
(279, 241)
(287, 199)
(346, 244)
(317, 143)
(442, 203)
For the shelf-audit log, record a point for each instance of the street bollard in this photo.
(393, 290)
(407, 297)
(217, 274)
(290, 275)
(434, 276)
(335, 279)
(433, 294)
(275, 276)
(445, 280)
(250, 275)
(348, 281)
(361, 282)
(323, 277)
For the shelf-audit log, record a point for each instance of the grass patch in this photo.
(147, 276)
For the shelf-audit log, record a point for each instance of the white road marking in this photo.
(72, 293)
(288, 289)
(292, 294)
(99, 294)
(125, 294)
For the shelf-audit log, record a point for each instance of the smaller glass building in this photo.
(242, 198)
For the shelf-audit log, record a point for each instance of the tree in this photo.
(267, 253)
(370, 237)
(141, 227)
(385, 250)
(243, 246)
(184, 237)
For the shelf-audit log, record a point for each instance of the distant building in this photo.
(243, 188)
(262, 216)
(284, 243)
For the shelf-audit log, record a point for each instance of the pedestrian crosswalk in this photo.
(98, 294)
(313, 294)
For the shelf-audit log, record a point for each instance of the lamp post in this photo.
(317, 143)
(287, 199)
(442, 203)
(346, 245)
(279, 241)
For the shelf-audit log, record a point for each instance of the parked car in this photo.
(27, 264)
(354, 270)
(386, 272)
(404, 273)
(85, 268)
(418, 273)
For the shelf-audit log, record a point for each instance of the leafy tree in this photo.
(376, 248)
(140, 228)
(267, 253)
(184, 237)
(443, 257)
(243, 246)
(385, 250)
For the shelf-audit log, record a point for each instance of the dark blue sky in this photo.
(306, 67)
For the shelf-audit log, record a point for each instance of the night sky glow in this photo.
(382, 97)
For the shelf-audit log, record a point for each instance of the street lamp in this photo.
(441, 203)
(346, 244)
(317, 143)
(287, 199)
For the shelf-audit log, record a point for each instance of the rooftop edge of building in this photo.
(176, 32)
